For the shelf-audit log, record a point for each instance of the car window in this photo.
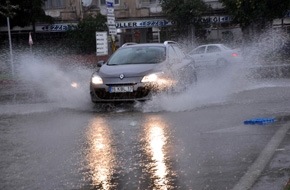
(199, 50)
(213, 49)
(138, 55)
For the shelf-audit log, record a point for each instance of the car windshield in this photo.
(138, 55)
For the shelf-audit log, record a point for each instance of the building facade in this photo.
(139, 20)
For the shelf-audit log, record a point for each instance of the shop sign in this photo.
(55, 27)
(143, 24)
(212, 19)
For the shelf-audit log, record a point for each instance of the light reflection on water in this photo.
(107, 171)
(156, 140)
(100, 157)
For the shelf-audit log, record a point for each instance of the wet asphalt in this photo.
(277, 170)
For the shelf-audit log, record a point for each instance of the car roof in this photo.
(145, 44)
(130, 44)
(211, 45)
(204, 45)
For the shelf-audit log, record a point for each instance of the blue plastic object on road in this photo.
(259, 121)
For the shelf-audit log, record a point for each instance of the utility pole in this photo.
(9, 13)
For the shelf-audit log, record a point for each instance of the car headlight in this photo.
(97, 79)
(152, 77)
(160, 79)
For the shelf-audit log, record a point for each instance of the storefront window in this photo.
(145, 3)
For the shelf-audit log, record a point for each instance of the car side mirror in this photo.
(100, 63)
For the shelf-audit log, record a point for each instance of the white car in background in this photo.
(215, 55)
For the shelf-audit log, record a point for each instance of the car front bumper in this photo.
(141, 92)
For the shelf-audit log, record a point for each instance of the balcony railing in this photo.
(148, 3)
(54, 4)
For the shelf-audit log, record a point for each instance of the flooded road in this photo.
(48, 146)
(55, 138)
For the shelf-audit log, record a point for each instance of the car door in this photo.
(213, 53)
(198, 54)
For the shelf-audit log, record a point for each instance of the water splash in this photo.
(60, 82)
(213, 86)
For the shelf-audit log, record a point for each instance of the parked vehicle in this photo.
(215, 55)
(137, 71)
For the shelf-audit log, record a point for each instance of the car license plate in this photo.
(121, 89)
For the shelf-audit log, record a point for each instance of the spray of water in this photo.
(213, 86)
(66, 84)
(216, 85)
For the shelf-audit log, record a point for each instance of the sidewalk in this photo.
(276, 175)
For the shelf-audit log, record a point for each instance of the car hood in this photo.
(130, 70)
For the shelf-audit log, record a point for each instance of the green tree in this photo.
(25, 12)
(184, 12)
(82, 37)
(248, 12)
(7, 10)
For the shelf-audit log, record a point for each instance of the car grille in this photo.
(141, 92)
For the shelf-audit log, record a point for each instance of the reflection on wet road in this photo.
(156, 140)
(149, 163)
(100, 157)
(70, 149)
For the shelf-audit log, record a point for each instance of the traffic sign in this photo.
(111, 20)
(111, 17)
(102, 43)
(110, 4)
(110, 11)
(112, 30)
